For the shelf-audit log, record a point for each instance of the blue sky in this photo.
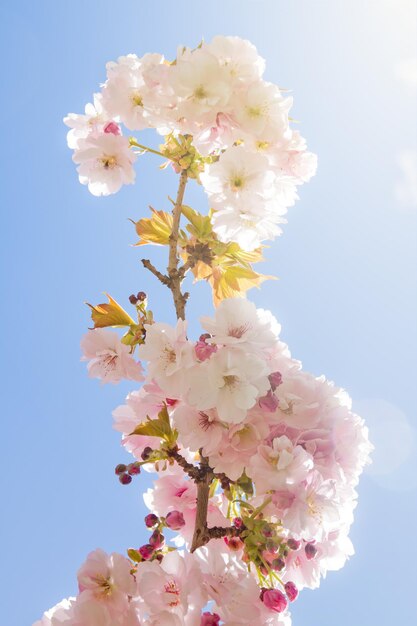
(346, 297)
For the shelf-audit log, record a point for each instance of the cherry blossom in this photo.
(108, 358)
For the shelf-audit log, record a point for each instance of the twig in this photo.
(172, 269)
(149, 266)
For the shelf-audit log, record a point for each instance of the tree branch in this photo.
(201, 537)
(149, 266)
(175, 276)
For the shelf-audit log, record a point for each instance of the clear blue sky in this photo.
(346, 296)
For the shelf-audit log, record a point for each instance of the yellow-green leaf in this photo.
(159, 427)
(155, 229)
(109, 314)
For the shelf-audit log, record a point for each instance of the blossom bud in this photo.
(133, 468)
(210, 619)
(234, 543)
(275, 379)
(175, 520)
(151, 520)
(125, 479)
(146, 551)
(274, 600)
(156, 540)
(203, 350)
(293, 544)
(271, 546)
(291, 591)
(269, 402)
(120, 469)
(278, 564)
(146, 453)
(159, 557)
(133, 299)
(310, 550)
(112, 128)
(238, 523)
(267, 531)
(141, 296)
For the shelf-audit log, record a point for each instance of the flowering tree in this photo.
(256, 460)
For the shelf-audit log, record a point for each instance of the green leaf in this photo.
(134, 555)
(111, 314)
(155, 229)
(159, 427)
(200, 225)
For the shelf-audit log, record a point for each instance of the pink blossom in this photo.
(107, 578)
(108, 358)
(175, 520)
(291, 591)
(274, 600)
(209, 619)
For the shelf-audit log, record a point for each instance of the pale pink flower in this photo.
(90, 124)
(281, 464)
(315, 510)
(108, 358)
(203, 88)
(147, 402)
(237, 322)
(135, 90)
(62, 614)
(239, 57)
(262, 112)
(240, 178)
(105, 163)
(198, 429)
(173, 586)
(245, 226)
(231, 380)
(169, 355)
(227, 582)
(172, 492)
(107, 579)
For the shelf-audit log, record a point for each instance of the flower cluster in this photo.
(256, 460)
(250, 160)
(276, 439)
(207, 588)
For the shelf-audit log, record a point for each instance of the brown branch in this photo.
(149, 266)
(193, 471)
(174, 274)
(201, 537)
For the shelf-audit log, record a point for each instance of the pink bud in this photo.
(238, 522)
(274, 600)
(156, 540)
(125, 479)
(209, 619)
(175, 520)
(269, 402)
(146, 551)
(275, 379)
(293, 544)
(133, 468)
(112, 128)
(310, 550)
(151, 520)
(291, 591)
(278, 564)
(120, 469)
(204, 350)
(234, 543)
